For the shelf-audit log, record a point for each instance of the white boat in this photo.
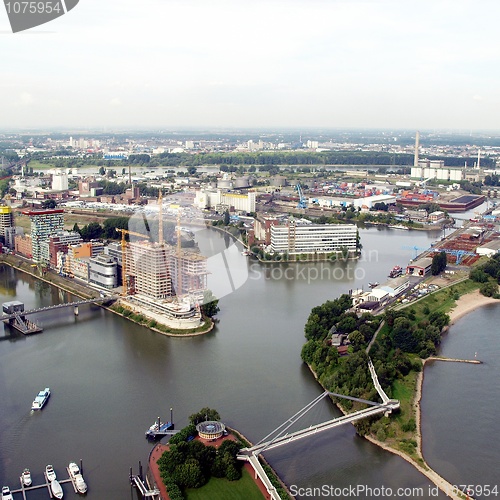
(26, 477)
(6, 494)
(73, 469)
(76, 475)
(80, 483)
(41, 399)
(56, 488)
(50, 473)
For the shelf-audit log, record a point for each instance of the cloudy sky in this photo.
(256, 63)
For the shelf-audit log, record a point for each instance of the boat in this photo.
(76, 475)
(41, 399)
(80, 484)
(159, 428)
(50, 473)
(399, 226)
(56, 489)
(373, 284)
(6, 494)
(396, 271)
(26, 477)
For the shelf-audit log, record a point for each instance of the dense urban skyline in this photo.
(266, 64)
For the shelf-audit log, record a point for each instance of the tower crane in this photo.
(124, 256)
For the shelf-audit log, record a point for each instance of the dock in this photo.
(17, 318)
(144, 489)
(160, 429)
(24, 488)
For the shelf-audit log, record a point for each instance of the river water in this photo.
(110, 378)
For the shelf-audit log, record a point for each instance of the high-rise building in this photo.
(161, 272)
(44, 223)
(6, 219)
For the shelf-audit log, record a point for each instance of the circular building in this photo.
(210, 430)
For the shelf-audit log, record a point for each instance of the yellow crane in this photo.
(124, 256)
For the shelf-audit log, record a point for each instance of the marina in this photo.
(52, 484)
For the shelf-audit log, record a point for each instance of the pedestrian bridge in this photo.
(98, 300)
(281, 437)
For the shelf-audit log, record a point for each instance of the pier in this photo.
(15, 315)
(25, 489)
(137, 481)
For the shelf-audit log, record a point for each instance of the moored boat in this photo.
(80, 483)
(56, 489)
(26, 477)
(41, 399)
(76, 475)
(50, 473)
(6, 494)
(396, 271)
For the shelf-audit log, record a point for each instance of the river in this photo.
(110, 378)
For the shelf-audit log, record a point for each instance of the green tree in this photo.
(210, 306)
(226, 218)
(49, 204)
(203, 415)
(489, 289)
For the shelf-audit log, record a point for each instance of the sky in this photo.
(167, 64)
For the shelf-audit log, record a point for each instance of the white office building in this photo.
(313, 238)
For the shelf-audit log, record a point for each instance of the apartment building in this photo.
(43, 224)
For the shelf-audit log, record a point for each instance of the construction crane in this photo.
(124, 256)
(416, 249)
(302, 201)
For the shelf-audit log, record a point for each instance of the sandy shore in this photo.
(468, 303)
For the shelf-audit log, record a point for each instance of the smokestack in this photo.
(417, 140)
(478, 158)
(130, 177)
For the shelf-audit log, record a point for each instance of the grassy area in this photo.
(222, 489)
(443, 300)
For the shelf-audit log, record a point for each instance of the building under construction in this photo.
(159, 271)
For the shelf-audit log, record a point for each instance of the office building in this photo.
(43, 224)
(6, 219)
(296, 238)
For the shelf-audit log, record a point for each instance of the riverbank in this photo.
(80, 290)
(464, 305)
(468, 303)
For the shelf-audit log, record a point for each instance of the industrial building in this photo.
(420, 267)
(243, 202)
(296, 238)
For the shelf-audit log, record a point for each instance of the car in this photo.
(6, 494)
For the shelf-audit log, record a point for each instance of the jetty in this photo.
(160, 429)
(24, 488)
